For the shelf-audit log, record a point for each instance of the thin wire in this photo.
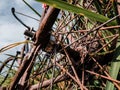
(27, 16)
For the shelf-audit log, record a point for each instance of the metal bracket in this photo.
(13, 12)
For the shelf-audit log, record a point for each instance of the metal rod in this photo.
(13, 12)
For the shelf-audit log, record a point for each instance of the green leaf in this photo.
(71, 8)
(115, 67)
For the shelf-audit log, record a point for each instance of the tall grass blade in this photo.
(32, 8)
(114, 69)
(84, 12)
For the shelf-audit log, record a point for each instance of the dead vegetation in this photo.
(67, 52)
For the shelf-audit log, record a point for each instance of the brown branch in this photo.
(48, 82)
(75, 73)
(85, 31)
(102, 76)
(105, 72)
(114, 38)
(26, 61)
(41, 39)
(46, 26)
(94, 29)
